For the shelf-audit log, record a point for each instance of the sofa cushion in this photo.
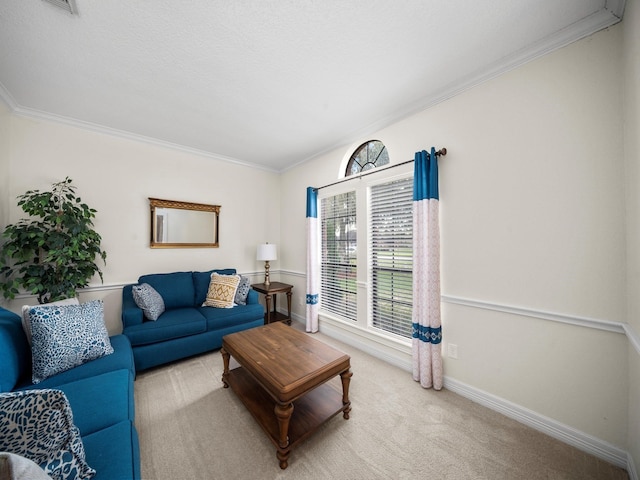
(222, 290)
(43, 417)
(243, 290)
(176, 289)
(121, 358)
(100, 401)
(15, 352)
(176, 323)
(16, 467)
(149, 300)
(66, 336)
(219, 318)
(201, 281)
(114, 452)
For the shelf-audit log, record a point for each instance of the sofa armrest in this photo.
(131, 313)
(15, 351)
(253, 297)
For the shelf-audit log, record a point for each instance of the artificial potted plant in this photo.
(53, 253)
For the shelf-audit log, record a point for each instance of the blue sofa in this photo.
(185, 328)
(100, 393)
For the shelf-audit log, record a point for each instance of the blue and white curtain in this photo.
(313, 273)
(427, 332)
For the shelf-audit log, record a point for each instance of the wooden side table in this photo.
(272, 290)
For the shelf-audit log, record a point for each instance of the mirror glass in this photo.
(183, 224)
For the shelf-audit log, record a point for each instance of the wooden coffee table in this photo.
(279, 367)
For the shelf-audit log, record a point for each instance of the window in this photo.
(367, 286)
(338, 259)
(367, 156)
(391, 236)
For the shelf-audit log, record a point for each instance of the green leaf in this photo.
(54, 251)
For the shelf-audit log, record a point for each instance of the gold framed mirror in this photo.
(177, 224)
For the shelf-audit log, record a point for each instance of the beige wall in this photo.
(116, 176)
(631, 58)
(633, 442)
(5, 126)
(532, 216)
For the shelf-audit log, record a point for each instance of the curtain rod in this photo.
(440, 153)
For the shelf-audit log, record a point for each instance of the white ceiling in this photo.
(269, 83)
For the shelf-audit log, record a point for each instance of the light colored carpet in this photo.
(190, 427)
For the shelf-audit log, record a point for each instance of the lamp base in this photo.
(266, 273)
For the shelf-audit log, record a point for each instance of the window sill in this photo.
(394, 351)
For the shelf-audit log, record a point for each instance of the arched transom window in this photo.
(369, 155)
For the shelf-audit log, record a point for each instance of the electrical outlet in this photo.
(452, 350)
(300, 302)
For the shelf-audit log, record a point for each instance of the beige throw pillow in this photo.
(222, 290)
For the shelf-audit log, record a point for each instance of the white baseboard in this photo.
(576, 438)
(631, 468)
(569, 435)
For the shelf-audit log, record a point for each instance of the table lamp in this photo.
(266, 253)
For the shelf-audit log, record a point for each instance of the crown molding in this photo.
(616, 7)
(97, 128)
(610, 14)
(603, 18)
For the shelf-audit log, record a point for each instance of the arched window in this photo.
(369, 155)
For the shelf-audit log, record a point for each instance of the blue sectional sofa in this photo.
(185, 328)
(100, 393)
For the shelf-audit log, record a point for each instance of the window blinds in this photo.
(391, 251)
(339, 255)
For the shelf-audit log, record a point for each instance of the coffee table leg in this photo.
(346, 379)
(225, 360)
(283, 414)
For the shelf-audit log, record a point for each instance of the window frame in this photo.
(369, 164)
(362, 328)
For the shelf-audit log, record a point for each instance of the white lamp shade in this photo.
(267, 251)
